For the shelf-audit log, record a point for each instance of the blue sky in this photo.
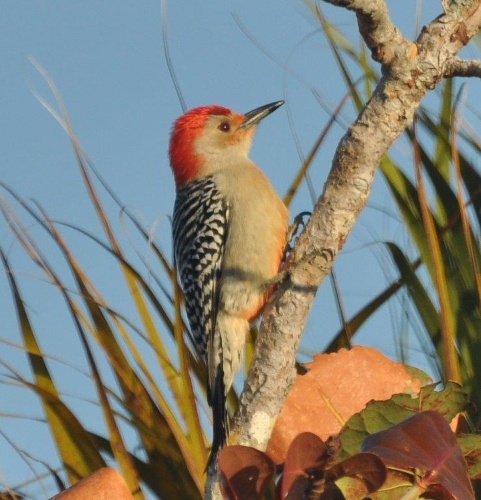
(107, 59)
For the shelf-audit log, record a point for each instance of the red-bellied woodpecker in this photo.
(230, 229)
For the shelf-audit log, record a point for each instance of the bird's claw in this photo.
(292, 232)
(298, 221)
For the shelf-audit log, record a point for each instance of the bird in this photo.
(230, 231)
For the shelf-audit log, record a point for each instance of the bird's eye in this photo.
(224, 127)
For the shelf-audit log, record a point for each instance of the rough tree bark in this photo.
(409, 70)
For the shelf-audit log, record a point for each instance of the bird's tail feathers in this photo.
(219, 414)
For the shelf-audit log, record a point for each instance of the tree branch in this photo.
(389, 111)
(383, 38)
(462, 67)
(409, 71)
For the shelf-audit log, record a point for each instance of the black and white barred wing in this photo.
(200, 229)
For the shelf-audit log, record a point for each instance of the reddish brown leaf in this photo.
(244, 472)
(426, 443)
(305, 470)
(304, 488)
(306, 458)
(337, 386)
(103, 483)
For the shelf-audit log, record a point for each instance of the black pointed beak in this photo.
(256, 115)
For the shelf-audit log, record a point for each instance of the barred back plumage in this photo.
(199, 229)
